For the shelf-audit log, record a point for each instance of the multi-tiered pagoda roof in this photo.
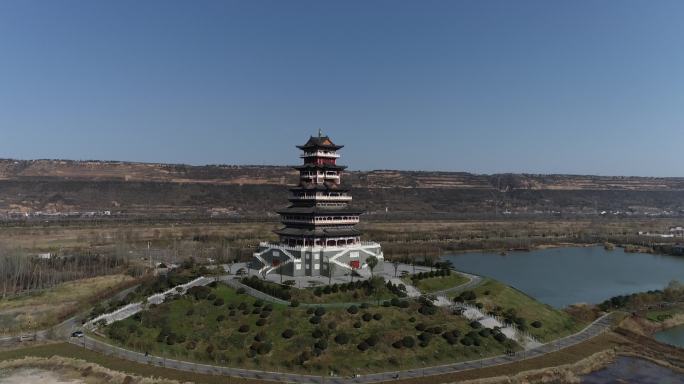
(320, 213)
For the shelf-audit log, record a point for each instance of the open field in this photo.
(61, 370)
(48, 307)
(251, 335)
(400, 239)
(507, 301)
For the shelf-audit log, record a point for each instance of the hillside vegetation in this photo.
(122, 189)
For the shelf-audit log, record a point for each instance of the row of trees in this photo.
(21, 272)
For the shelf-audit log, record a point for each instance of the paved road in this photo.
(597, 327)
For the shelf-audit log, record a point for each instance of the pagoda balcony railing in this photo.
(322, 197)
(313, 221)
(308, 247)
(320, 154)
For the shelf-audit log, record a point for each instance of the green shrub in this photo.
(353, 309)
(342, 338)
(408, 342)
(288, 333)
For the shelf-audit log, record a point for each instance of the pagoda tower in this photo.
(318, 234)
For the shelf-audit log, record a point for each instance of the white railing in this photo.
(322, 197)
(311, 247)
(320, 154)
(314, 221)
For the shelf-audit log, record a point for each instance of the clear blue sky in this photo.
(482, 86)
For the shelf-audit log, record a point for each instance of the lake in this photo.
(673, 336)
(633, 370)
(564, 276)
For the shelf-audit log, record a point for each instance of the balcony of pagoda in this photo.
(321, 242)
(322, 197)
(323, 220)
(329, 154)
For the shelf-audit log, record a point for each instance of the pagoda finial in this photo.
(320, 133)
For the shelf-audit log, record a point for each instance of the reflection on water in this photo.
(564, 276)
(633, 370)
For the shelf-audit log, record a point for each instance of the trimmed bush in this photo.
(321, 344)
(357, 324)
(218, 302)
(420, 327)
(243, 328)
(264, 348)
(536, 324)
(467, 341)
(484, 332)
(377, 316)
(342, 338)
(353, 309)
(294, 303)
(332, 325)
(261, 322)
(220, 318)
(260, 336)
(397, 344)
(408, 342)
(315, 320)
(317, 333)
(362, 346)
(288, 333)
(258, 303)
(320, 311)
(309, 311)
(367, 317)
(372, 340)
(475, 324)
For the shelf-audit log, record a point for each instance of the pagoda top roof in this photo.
(320, 141)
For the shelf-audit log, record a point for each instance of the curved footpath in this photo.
(594, 329)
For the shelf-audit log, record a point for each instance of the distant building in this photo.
(677, 231)
(319, 226)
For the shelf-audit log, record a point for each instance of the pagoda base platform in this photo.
(314, 260)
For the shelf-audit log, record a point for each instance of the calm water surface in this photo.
(672, 336)
(633, 370)
(563, 276)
